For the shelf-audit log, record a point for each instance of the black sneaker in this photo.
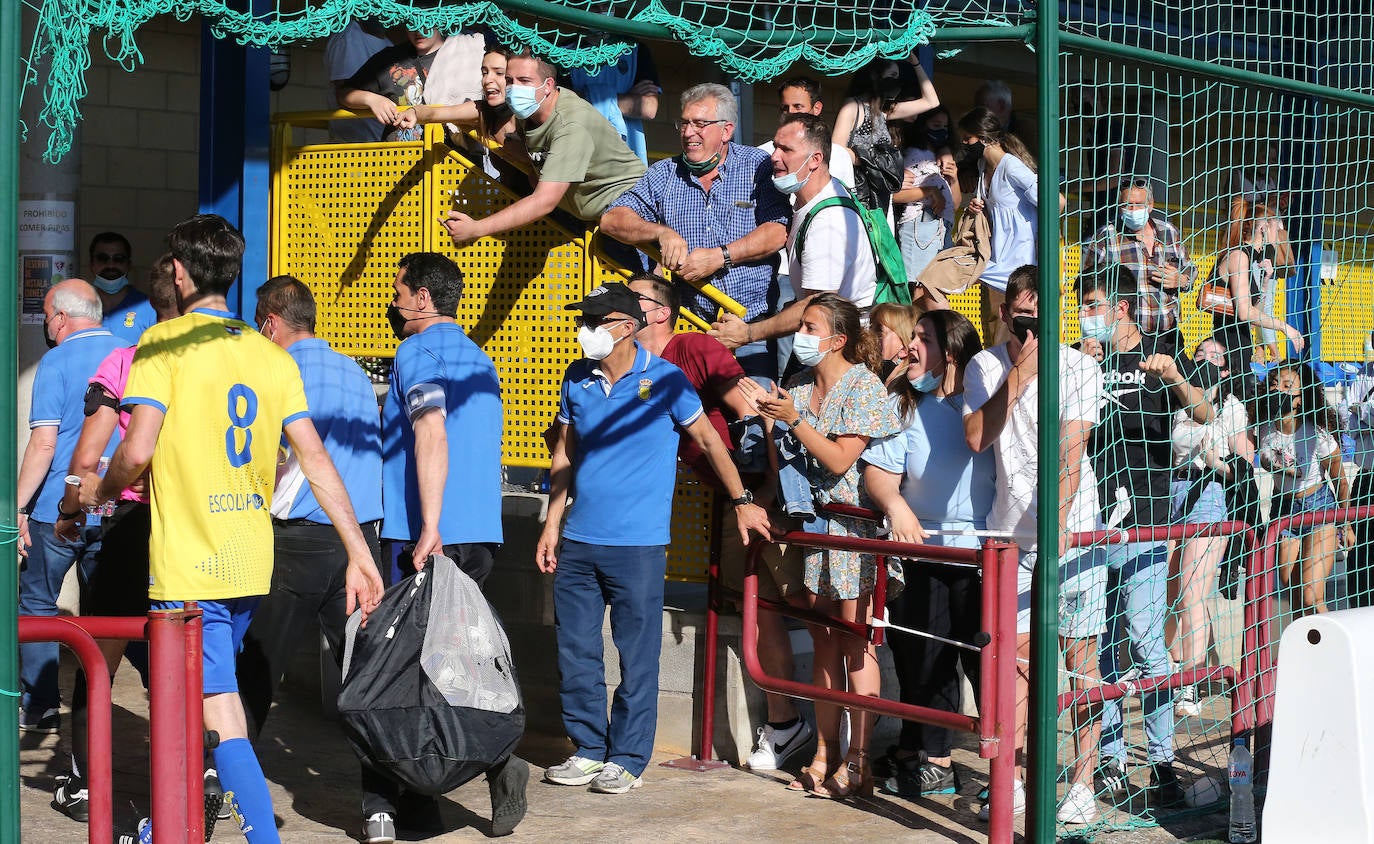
(47, 723)
(69, 796)
(1113, 777)
(1164, 787)
(937, 779)
(216, 807)
(506, 785)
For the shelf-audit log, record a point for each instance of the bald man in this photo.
(72, 315)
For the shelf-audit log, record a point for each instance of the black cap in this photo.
(612, 297)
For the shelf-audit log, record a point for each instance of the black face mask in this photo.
(937, 137)
(47, 338)
(1204, 375)
(397, 321)
(1283, 404)
(1023, 326)
(972, 153)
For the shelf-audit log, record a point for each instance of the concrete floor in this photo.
(312, 775)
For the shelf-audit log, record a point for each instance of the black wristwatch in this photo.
(746, 498)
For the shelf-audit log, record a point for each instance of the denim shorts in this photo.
(1322, 499)
(1209, 508)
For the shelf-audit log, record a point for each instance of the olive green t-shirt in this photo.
(579, 146)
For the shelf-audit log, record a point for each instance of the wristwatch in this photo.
(73, 480)
(746, 498)
(726, 263)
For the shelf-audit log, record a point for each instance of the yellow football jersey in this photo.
(226, 392)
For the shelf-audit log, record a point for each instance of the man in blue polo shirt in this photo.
(127, 312)
(71, 325)
(309, 558)
(713, 215)
(616, 443)
(441, 467)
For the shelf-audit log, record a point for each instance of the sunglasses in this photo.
(112, 258)
(598, 321)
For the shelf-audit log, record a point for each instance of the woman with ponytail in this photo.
(833, 409)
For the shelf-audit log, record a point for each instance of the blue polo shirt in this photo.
(130, 317)
(625, 458)
(59, 400)
(741, 199)
(441, 368)
(343, 407)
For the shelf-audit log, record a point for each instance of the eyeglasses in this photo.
(1137, 182)
(1088, 307)
(657, 303)
(699, 125)
(115, 258)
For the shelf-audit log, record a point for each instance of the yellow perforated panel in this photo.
(342, 216)
(690, 552)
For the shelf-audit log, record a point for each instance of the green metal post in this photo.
(1041, 751)
(10, 23)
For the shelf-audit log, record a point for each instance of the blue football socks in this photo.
(246, 789)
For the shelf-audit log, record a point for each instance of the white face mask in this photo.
(597, 343)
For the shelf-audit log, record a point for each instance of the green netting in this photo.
(1201, 144)
(750, 41)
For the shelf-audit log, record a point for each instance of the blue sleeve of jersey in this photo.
(48, 392)
(683, 402)
(416, 365)
(564, 402)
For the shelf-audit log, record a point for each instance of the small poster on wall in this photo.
(37, 273)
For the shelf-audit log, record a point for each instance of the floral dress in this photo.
(856, 404)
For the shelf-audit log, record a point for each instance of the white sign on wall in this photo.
(47, 225)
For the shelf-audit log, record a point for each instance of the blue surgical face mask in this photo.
(1134, 219)
(111, 286)
(926, 382)
(1096, 327)
(807, 348)
(523, 100)
(788, 183)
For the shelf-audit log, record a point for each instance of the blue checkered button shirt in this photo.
(741, 199)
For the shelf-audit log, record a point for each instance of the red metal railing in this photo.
(995, 727)
(175, 719)
(1242, 716)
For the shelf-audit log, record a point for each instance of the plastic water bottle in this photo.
(1241, 766)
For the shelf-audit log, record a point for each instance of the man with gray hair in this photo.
(71, 324)
(713, 215)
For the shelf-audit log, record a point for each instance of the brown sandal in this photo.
(852, 780)
(807, 781)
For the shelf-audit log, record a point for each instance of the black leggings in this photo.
(946, 602)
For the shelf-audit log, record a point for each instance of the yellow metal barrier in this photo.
(343, 215)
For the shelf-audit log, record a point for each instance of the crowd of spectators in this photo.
(818, 394)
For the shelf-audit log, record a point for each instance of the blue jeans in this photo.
(784, 343)
(1137, 602)
(759, 359)
(921, 240)
(40, 582)
(794, 487)
(630, 580)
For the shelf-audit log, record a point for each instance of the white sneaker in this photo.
(1079, 806)
(1018, 802)
(775, 747)
(1187, 705)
